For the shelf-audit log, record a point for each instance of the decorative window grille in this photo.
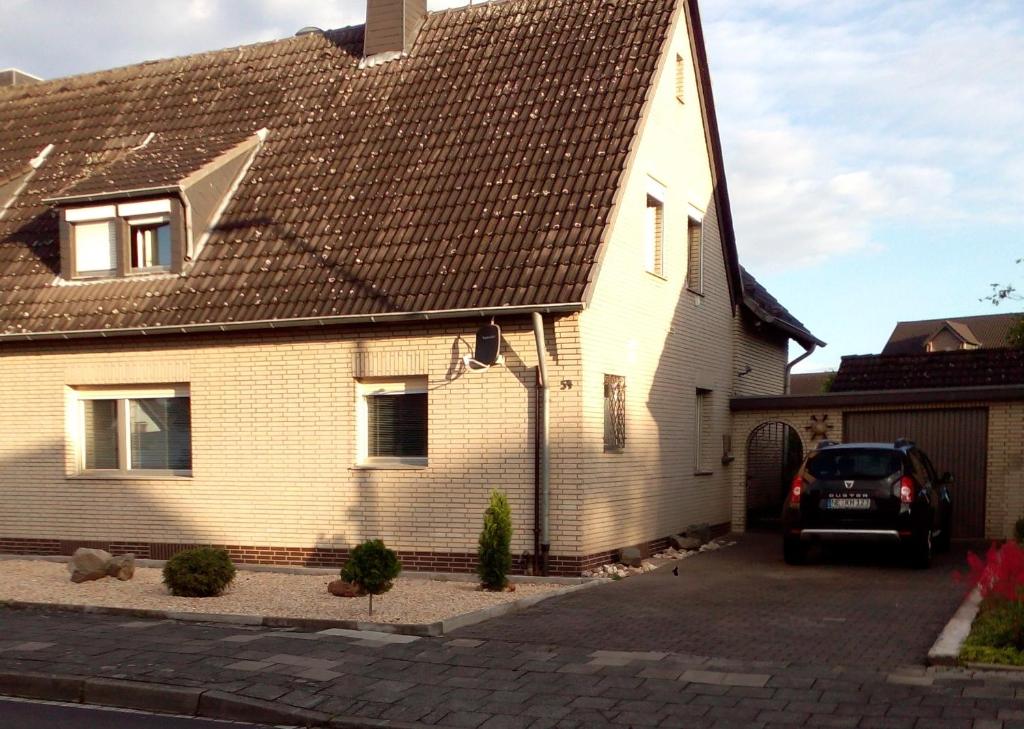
(614, 413)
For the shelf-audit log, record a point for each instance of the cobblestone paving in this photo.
(521, 680)
(744, 602)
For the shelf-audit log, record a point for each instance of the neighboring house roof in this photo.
(963, 368)
(479, 171)
(809, 383)
(767, 308)
(992, 330)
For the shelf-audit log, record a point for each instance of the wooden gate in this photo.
(955, 441)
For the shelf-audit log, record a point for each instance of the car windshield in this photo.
(854, 464)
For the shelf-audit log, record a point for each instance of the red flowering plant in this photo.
(999, 576)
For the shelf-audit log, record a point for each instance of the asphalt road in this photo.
(16, 714)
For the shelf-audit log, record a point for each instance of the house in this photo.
(946, 335)
(238, 291)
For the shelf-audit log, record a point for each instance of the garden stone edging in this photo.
(946, 649)
(176, 700)
(423, 630)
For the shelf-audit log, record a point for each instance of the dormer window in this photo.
(150, 244)
(133, 238)
(151, 208)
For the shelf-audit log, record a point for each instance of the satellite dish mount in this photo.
(487, 352)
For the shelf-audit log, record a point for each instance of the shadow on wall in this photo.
(696, 355)
(154, 519)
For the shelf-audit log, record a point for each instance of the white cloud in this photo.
(840, 118)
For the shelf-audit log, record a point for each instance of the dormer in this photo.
(150, 209)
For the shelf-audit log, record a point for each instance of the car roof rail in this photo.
(904, 443)
(827, 444)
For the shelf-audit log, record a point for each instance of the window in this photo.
(702, 432)
(115, 240)
(393, 422)
(654, 248)
(853, 464)
(150, 241)
(695, 257)
(680, 78)
(135, 431)
(614, 413)
(95, 248)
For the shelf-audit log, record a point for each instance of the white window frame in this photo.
(697, 216)
(412, 385)
(654, 239)
(121, 394)
(701, 400)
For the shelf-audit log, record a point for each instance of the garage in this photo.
(956, 440)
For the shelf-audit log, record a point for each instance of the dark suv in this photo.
(868, 491)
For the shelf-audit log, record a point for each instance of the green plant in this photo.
(373, 568)
(495, 550)
(199, 572)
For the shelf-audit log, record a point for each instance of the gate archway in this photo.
(774, 453)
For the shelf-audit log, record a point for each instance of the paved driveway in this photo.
(845, 608)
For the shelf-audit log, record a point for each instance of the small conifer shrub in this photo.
(495, 550)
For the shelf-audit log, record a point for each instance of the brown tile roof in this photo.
(163, 162)
(963, 368)
(766, 307)
(990, 330)
(809, 383)
(478, 172)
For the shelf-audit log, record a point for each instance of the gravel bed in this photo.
(257, 593)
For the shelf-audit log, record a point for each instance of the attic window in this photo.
(117, 240)
(680, 78)
(95, 245)
(150, 244)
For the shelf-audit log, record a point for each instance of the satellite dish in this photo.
(487, 352)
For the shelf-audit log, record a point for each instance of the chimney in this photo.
(392, 25)
(14, 77)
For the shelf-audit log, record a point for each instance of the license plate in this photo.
(848, 504)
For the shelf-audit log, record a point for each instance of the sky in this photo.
(873, 149)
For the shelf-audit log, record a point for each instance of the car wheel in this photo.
(793, 551)
(921, 551)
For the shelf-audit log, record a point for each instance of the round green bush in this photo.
(373, 567)
(199, 572)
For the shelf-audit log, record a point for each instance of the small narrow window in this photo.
(393, 422)
(695, 249)
(150, 242)
(680, 78)
(702, 432)
(655, 235)
(95, 248)
(136, 431)
(614, 413)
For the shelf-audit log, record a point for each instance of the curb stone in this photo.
(422, 630)
(177, 700)
(946, 649)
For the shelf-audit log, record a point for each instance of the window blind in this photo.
(100, 434)
(161, 433)
(397, 424)
(694, 271)
(95, 247)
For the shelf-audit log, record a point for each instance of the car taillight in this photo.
(795, 492)
(906, 490)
